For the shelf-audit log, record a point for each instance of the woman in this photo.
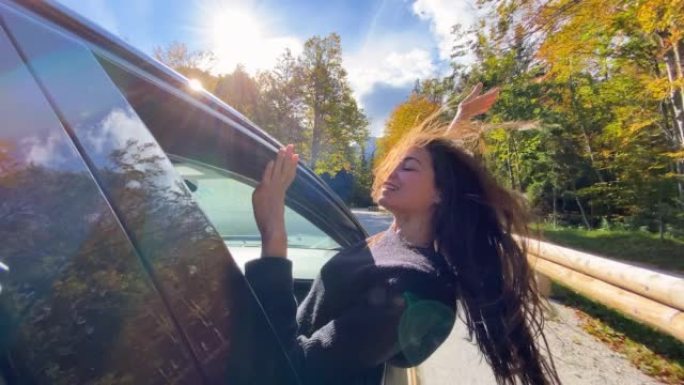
(392, 299)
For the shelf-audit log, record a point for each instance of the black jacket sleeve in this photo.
(396, 321)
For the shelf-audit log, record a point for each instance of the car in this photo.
(125, 217)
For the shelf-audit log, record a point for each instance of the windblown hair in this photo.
(474, 226)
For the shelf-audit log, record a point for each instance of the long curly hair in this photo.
(474, 226)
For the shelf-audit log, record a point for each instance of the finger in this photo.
(268, 172)
(485, 101)
(475, 92)
(453, 123)
(292, 169)
(278, 166)
(494, 92)
(285, 155)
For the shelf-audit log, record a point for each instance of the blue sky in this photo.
(386, 44)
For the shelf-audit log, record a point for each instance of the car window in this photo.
(197, 127)
(76, 305)
(210, 300)
(226, 198)
(225, 164)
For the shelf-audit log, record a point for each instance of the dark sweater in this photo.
(379, 302)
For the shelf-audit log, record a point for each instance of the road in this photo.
(580, 358)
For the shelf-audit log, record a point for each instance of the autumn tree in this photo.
(193, 64)
(240, 91)
(332, 114)
(404, 117)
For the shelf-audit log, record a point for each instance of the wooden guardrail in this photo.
(652, 297)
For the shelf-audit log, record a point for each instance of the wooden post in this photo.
(662, 317)
(661, 287)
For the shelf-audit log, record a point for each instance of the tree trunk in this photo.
(555, 221)
(517, 162)
(585, 134)
(510, 163)
(584, 214)
(316, 137)
(673, 65)
(661, 226)
(675, 93)
(677, 48)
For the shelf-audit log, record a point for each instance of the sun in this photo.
(236, 38)
(240, 34)
(195, 85)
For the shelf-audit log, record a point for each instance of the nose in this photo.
(393, 174)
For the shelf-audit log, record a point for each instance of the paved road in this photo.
(580, 358)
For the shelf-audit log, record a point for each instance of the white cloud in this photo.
(393, 60)
(396, 69)
(442, 16)
(49, 151)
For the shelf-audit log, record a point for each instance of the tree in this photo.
(281, 106)
(331, 112)
(602, 77)
(404, 117)
(240, 91)
(191, 64)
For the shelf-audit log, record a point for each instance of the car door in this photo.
(222, 160)
(217, 318)
(76, 304)
(221, 163)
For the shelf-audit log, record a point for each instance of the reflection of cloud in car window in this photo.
(117, 127)
(47, 151)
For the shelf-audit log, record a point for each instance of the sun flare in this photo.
(239, 36)
(195, 85)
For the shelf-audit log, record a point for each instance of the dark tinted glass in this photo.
(76, 306)
(202, 285)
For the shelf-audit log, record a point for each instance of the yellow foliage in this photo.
(403, 118)
(662, 15)
(677, 155)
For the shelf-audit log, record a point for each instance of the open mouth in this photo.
(389, 186)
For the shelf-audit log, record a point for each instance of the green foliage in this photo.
(305, 100)
(598, 78)
(619, 242)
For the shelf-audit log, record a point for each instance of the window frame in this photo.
(338, 221)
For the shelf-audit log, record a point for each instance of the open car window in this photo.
(226, 198)
(222, 160)
(197, 127)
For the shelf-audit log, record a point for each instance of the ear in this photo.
(437, 199)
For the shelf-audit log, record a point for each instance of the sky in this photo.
(386, 44)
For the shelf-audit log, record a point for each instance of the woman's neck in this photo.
(416, 230)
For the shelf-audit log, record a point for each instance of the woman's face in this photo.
(410, 188)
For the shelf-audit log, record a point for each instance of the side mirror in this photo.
(192, 186)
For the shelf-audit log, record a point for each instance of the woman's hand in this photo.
(268, 201)
(474, 104)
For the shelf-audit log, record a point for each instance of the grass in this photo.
(634, 246)
(656, 354)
